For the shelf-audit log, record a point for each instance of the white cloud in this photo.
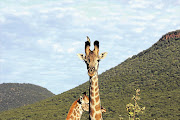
(178, 2)
(139, 30)
(113, 37)
(16, 73)
(57, 57)
(139, 23)
(71, 50)
(164, 20)
(50, 45)
(77, 43)
(139, 3)
(170, 10)
(74, 46)
(44, 43)
(44, 17)
(22, 13)
(2, 60)
(40, 42)
(57, 48)
(159, 6)
(60, 15)
(2, 19)
(143, 17)
(56, 9)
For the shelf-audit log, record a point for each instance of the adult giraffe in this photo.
(92, 59)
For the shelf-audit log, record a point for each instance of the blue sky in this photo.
(40, 39)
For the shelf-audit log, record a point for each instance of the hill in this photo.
(13, 95)
(156, 71)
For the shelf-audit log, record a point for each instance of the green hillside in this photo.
(13, 95)
(156, 71)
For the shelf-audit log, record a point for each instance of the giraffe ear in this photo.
(84, 93)
(102, 55)
(81, 56)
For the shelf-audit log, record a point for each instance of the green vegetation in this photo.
(156, 71)
(135, 109)
(13, 95)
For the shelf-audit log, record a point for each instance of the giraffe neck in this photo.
(75, 112)
(95, 104)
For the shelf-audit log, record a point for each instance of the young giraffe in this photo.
(77, 108)
(92, 59)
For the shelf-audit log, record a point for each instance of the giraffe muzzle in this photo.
(91, 71)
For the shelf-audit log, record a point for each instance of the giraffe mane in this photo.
(72, 108)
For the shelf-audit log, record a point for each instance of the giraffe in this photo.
(77, 108)
(92, 58)
(80, 105)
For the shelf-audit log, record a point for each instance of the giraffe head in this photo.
(92, 58)
(85, 102)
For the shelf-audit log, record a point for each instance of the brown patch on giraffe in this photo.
(98, 116)
(71, 117)
(97, 93)
(92, 82)
(94, 78)
(78, 112)
(92, 112)
(92, 88)
(98, 107)
(97, 88)
(96, 84)
(92, 102)
(92, 94)
(97, 99)
(74, 113)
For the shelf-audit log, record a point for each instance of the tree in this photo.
(134, 109)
